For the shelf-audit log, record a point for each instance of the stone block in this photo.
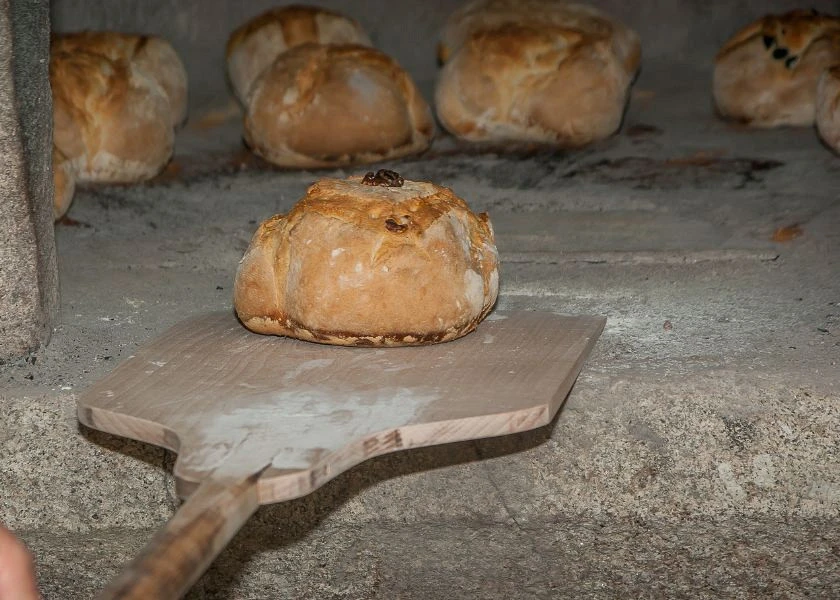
(28, 272)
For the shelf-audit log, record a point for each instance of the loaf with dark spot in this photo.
(766, 74)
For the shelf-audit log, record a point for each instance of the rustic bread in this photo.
(111, 121)
(254, 46)
(154, 56)
(766, 74)
(534, 71)
(373, 261)
(64, 183)
(116, 101)
(828, 108)
(333, 105)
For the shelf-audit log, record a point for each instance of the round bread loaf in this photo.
(373, 261)
(111, 121)
(828, 108)
(766, 74)
(254, 46)
(116, 101)
(534, 71)
(329, 105)
(154, 56)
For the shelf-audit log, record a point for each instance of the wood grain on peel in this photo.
(260, 419)
(180, 552)
(208, 387)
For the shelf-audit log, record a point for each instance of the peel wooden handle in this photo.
(180, 552)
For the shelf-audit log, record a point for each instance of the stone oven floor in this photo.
(697, 455)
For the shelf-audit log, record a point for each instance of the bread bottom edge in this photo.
(269, 326)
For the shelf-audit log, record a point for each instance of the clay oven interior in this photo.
(697, 454)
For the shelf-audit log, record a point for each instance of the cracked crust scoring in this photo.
(111, 122)
(254, 46)
(333, 271)
(534, 70)
(154, 56)
(116, 100)
(766, 75)
(335, 105)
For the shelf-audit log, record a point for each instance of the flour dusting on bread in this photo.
(370, 264)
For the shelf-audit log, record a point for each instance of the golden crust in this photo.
(367, 109)
(766, 74)
(111, 122)
(254, 46)
(116, 99)
(795, 30)
(298, 23)
(540, 71)
(585, 24)
(353, 264)
(153, 55)
(828, 108)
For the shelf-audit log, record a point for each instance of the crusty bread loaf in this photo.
(766, 74)
(153, 56)
(333, 105)
(371, 261)
(254, 46)
(534, 70)
(828, 108)
(64, 183)
(116, 101)
(111, 121)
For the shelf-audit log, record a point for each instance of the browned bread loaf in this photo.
(534, 70)
(828, 108)
(254, 46)
(332, 105)
(111, 122)
(151, 55)
(766, 74)
(116, 100)
(374, 261)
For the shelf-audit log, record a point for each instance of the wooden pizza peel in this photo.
(261, 419)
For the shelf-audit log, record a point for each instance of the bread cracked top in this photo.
(359, 264)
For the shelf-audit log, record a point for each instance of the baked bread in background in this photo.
(153, 56)
(116, 100)
(534, 71)
(254, 46)
(64, 183)
(333, 105)
(374, 261)
(828, 108)
(111, 121)
(766, 74)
